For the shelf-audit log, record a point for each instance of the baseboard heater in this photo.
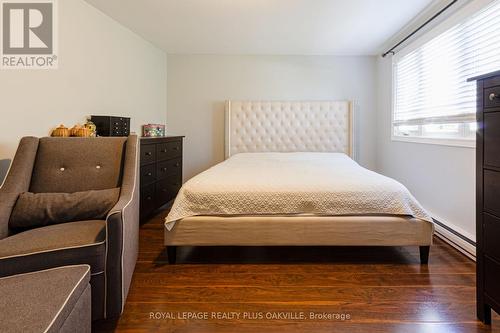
(456, 239)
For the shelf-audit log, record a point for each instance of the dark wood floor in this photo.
(381, 289)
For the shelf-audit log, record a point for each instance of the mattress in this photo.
(318, 184)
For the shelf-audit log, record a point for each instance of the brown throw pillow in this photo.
(41, 209)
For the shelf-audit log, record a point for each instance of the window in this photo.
(433, 102)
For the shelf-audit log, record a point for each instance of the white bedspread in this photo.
(292, 183)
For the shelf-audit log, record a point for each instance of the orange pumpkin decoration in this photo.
(83, 132)
(74, 130)
(61, 131)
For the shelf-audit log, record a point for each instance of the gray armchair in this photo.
(110, 246)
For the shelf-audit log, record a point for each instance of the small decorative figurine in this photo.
(91, 127)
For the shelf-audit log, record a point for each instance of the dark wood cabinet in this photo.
(488, 195)
(160, 172)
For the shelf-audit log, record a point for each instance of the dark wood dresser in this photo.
(160, 172)
(488, 195)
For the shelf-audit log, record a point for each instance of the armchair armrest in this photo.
(17, 180)
(122, 234)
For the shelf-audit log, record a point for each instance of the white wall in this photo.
(198, 85)
(442, 178)
(103, 69)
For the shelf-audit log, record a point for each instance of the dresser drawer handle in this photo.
(177, 148)
(149, 198)
(164, 169)
(177, 164)
(493, 96)
(164, 151)
(149, 174)
(149, 153)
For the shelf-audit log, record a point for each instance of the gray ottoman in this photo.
(53, 300)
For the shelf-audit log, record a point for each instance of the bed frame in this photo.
(298, 126)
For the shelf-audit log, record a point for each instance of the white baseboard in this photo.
(456, 240)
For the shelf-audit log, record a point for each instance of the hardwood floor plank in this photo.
(305, 293)
(162, 267)
(346, 279)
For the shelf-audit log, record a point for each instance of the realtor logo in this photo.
(28, 34)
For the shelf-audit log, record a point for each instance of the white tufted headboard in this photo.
(299, 126)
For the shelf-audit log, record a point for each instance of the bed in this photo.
(290, 179)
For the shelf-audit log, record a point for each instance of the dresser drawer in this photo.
(169, 167)
(148, 199)
(491, 186)
(492, 97)
(148, 174)
(117, 127)
(167, 189)
(491, 236)
(148, 154)
(119, 131)
(117, 120)
(491, 134)
(169, 150)
(491, 274)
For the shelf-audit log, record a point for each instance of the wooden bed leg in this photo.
(424, 254)
(172, 254)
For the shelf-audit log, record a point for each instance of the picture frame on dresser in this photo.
(487, 195)
(160, 172)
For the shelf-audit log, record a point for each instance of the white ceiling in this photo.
(292, 27)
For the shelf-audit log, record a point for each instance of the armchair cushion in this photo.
(77, 164)
(41, 209)
(81, 242)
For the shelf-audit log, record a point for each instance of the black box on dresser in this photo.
(111, 126)
(488, 195)
(160, 172)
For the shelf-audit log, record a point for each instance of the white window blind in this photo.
(432, 98)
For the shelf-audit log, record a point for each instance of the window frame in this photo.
(456, 18)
